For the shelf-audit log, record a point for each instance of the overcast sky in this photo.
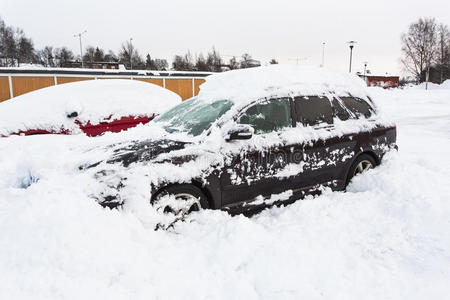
(281, 29)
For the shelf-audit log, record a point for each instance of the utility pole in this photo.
(131, 54)
(351, 45)
(323, 55)
(298, 59)
(81, 47)
(295, 59)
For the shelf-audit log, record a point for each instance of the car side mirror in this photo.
(239, 132)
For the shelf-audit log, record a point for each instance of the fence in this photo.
(15, 82)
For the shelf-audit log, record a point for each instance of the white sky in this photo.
(278, 29)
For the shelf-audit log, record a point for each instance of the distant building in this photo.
(244, 64)
(384, 81)
(251, 63)
(92, 65)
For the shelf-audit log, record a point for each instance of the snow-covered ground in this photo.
(388, 237)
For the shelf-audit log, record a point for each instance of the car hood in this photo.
(144, 151)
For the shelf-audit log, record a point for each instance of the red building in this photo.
(385, 81)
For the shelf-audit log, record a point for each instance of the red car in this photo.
(91, 107)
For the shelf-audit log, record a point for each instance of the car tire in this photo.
(185, 192)
(361, 164)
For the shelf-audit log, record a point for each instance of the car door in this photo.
(250, 173)
(322, 157)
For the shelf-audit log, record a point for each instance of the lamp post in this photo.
(81, 47)
(365, 71)
(131, 54)
(351, 45)
(323, 55)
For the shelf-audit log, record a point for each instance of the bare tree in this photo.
(273, 61)
(111, 57)
(8, 49)
(419, 47)
(63, 56)
(214, 61)
(25, 49)
(444, 51)
(183, 62)
(189, 59)
(46, 56)
(130, 57)
(201, 64)
(99, 54)
(233, 63)
(179, 63)
(246, 58)
(155, 64)
(161, 64)
(89, 54)
(149, 62)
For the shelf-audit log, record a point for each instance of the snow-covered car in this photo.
(252, 138)
(91, 107)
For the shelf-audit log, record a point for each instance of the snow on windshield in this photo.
(193, 117)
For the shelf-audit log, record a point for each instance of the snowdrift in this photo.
(433, 86)
(280, 80)
(93, 100)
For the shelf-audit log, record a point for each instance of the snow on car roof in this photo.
(93, 100)
(280, 80)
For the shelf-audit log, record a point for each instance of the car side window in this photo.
(358, 107)
(339, 110)
(313, 110)
(269, 116)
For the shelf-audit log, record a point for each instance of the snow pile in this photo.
(433, 86)
(446, 84)
(92, 100)
(278, 81)
(386, 238)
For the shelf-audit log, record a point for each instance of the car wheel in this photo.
(188, 198)
(363, 163)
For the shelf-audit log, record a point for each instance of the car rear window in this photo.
(358, 107)
(313, 110)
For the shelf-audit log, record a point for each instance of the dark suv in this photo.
(240, 156)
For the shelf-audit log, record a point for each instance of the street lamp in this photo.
(351, 45)
(81, 47)
(365, 69)
(323, 55)
(131, 54)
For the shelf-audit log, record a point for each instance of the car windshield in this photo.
(192, 116)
